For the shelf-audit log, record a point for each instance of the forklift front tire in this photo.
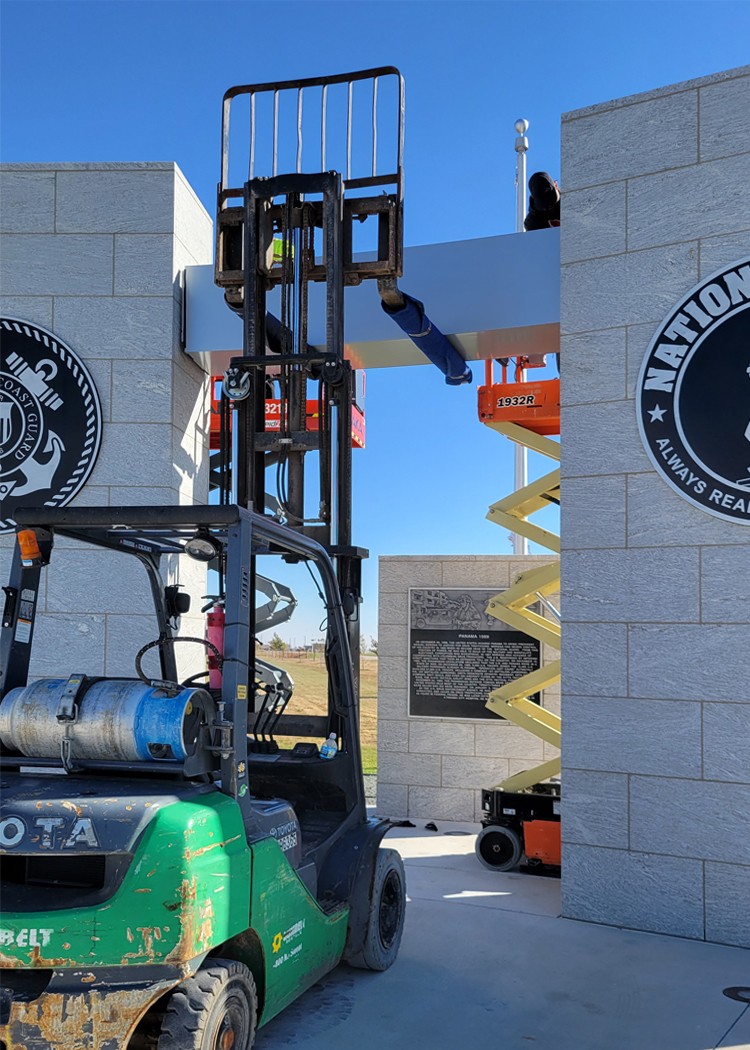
(385, 922)
(215, 1008)
(499, 847)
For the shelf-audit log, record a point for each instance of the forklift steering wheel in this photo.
(160, 641)
(193, 679)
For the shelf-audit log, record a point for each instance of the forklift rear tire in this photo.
(215, 1009)
(498, 847)
(385, 922)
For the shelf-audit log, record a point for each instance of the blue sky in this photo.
(125, 80)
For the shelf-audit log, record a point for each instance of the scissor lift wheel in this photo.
(499, 847)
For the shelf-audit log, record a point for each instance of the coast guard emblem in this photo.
(50, 420)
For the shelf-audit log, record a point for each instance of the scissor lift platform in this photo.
(533, 404)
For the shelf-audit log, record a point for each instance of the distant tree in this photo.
(362, 644)
(278, 643)
(374, 646)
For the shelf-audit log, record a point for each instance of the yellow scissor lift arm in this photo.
(524, 825)
(515, 606)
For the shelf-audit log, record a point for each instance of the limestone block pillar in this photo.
(656, 632)
(93, 253)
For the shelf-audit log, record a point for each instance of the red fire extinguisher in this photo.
(215, 635)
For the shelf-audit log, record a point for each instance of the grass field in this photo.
(311, 691)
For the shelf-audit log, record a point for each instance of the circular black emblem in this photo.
(50, 420)
(693, 395)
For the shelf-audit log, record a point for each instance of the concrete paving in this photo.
(487, 963)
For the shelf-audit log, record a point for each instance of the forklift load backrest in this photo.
(308, 125)
(295, 131)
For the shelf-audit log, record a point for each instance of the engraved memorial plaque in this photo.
(458, 653)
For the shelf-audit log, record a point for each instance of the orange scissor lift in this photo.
(273, 417)
(532, 404)
(522, 813)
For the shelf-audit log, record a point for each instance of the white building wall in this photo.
(435, 768)
(656, 593)
(93, 253)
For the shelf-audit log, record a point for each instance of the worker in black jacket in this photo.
(544, 202)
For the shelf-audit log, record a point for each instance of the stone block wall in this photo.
(94, 253)
(435, 768)
(656, 633)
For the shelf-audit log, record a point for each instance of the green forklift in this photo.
(179, 858)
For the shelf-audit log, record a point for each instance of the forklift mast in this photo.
(279, 231)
